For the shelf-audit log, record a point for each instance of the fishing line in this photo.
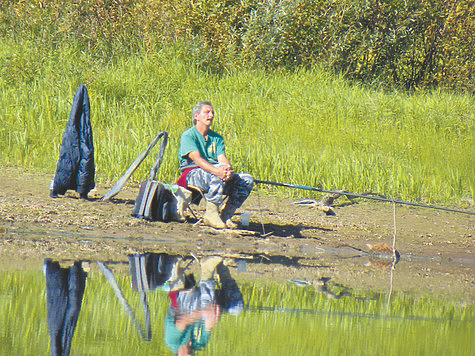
(260, 212)
(393, 263)
(356, 195)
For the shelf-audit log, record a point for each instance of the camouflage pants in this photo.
(237, 188)
(198, 298)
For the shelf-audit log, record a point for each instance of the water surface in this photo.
(274, 306)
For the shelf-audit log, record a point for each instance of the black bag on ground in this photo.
(153, 202)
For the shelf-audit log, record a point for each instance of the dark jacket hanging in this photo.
(75, 169)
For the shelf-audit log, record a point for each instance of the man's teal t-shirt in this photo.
(192, 140)
(196, 333)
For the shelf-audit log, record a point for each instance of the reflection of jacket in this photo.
(64, 293)
(75, 169)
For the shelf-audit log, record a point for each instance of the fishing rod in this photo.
(355, 195)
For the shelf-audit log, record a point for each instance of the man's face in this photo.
(205, 117)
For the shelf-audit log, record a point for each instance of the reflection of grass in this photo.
(422, 325)
(305, 322)
(303, 127)
(365, 303)
(103, 326)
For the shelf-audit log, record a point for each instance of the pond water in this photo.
(143, 304)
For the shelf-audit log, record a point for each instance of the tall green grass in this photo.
(361, 325)
(304, 127)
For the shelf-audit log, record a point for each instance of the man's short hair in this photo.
(197, 109)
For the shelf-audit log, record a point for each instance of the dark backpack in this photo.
(153, 202)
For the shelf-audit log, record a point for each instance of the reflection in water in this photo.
(381, 256)
(145, 333)
(196, 309)
(65, 290)
(149, 272)
(321, 286)
(189, 314)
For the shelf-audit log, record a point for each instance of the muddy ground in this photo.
(436, 247)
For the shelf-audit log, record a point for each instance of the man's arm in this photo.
(183, 321)
(223, 159)
(222, 172)
(211, 315)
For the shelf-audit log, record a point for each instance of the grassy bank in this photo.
(304, 127)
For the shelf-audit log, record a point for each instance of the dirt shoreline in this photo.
(34, 225)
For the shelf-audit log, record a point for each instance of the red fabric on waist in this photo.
(173, 295)
(182, 180)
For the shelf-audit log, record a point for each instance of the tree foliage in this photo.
(406, 43)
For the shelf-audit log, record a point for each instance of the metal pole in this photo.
(295, 186)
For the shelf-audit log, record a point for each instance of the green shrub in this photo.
(408, 43)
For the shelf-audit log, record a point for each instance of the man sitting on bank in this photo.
(204, 165)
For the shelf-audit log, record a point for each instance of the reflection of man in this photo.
(195, 312)
(204, 165)
(64, 292)
(189, 332)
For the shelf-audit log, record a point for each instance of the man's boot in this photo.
(227, 213)
(208, 267)
(211, 216)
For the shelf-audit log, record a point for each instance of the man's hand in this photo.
(225, 172)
